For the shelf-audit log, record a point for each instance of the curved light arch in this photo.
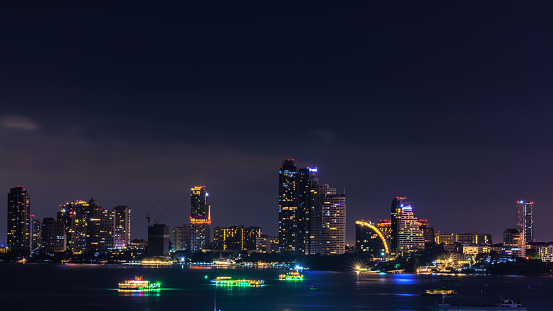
(375, 229)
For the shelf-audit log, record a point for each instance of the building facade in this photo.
(200, 219)
(122, 227)
(180, 238)
(237, 238)
(334, 224)
(514, 244)
(405, 233)
(53, 235)
(19, 220)
(158, 240)
(99, 228)
(524, 219)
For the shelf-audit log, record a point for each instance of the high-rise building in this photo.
(406, 236)
(513, 243)
(19, 226)
(318, 192)
(524, 219)
(200, 219)
(158, 240)
(36, 233)
(237, 238)
(294, 203)
(99, 228)
(122, 226)
(427, 231)
(180, 239)
(334, 224)
(74, 216)
(53, 235)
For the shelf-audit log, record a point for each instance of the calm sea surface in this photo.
(94, 287)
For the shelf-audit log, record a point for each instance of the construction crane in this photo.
(151, 211)
(157, 221)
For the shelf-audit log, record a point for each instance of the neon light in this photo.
(386, 247)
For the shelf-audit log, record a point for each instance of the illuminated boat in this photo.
(291, 276)
(228, 281)
(439, 292)
(139, 284)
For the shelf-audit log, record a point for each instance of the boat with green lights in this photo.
(291, 276)
(139, 284)
(228, 281)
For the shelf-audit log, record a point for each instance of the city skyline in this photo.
(444, 103)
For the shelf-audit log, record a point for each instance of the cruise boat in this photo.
(504, 304)
(439, 292)
(291, 276)
(139, 284)
(228, 281)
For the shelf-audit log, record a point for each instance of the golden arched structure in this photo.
(375, 229)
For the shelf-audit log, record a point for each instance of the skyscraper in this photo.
(99, 228)
(293, 207)
(158, 240)
(524, 219)
(180, 239)
(19, 226)
(200, 219)
(122, 226)
(405, 235)
(334, 224)
(74, 216)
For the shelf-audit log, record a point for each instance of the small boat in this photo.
(503, 304)
(439, 292)
(139, 284)
(228, 281)
(291, 276)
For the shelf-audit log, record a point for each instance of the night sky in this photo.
(445, 102)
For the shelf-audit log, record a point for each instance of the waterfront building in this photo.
(514, 244)
(158, 240)
(369, 238)
(53, 235)
(406, 235)
(334, 224)
(317, 193)
(266, 244)
(74, 216)
(180, 238)
(122, 226)
(36, 234)
(474, 238)
(524, 219)
(410, 237)
(19, 226)
(293, 191)
(237, 238)
(200, 219)
(99, 228)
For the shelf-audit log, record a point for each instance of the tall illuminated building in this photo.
(293, 207)
(36, 233)
(200, 219)
(525, 219)
(122, 226)
(406, 235)
(99, 228)
(334, 224)
(19, 218)
(74, 217)
(318, 193)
